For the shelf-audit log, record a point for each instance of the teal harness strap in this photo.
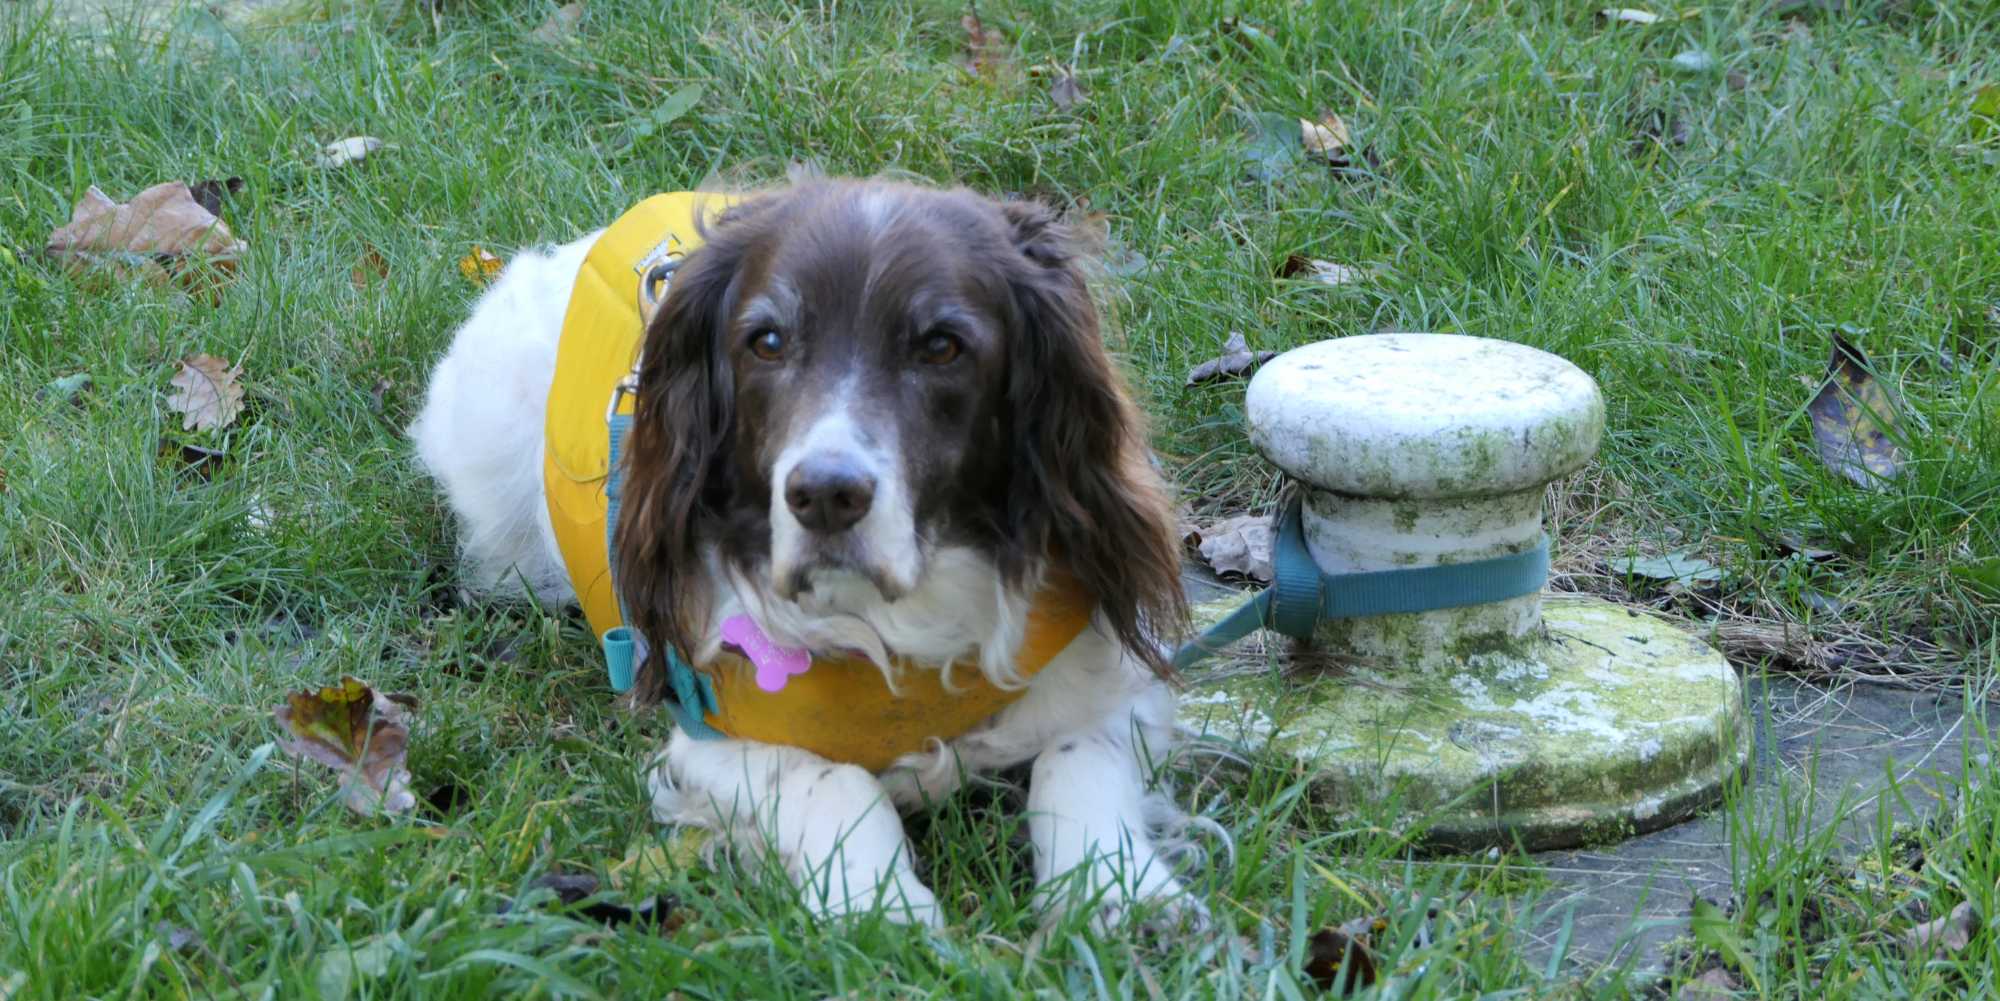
(690, 694)
(1300, 595)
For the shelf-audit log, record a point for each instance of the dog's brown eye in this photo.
(939, 349)
(767, 344)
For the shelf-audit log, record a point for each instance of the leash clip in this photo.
(652, 289)
(627, 386)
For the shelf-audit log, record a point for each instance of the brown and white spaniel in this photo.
(875, 418)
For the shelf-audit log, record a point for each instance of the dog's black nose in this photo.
(829, 493)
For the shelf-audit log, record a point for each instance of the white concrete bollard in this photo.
(1542, 720)
(1423, 449)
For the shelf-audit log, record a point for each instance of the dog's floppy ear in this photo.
(1084, 490)
(683, 424)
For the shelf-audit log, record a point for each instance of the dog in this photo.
(877, 421)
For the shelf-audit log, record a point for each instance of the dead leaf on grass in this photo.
(1326, 138)
(202, 462)
(1986, 111)
(1945, 936)
(1712, 984)
(69, 387)
(1694, 61)
(1313, 269)
(160, 225)
(341, 152)
(1328, 141)
(1239, 546)
(1627, 15)
(987, 54)
(1682, 566)
(359, 732)
(1339, 959)
(370, 269)
(649, 863)
(176, 937)
(1065, 91)
(1236, 359)
(1657, 126)
(344, 966)
(207, 394)
(560, 26)
(209, 194)
(1272, 145)
(1249, 34)
(480, 267)
(662, 911)
(1854, 420)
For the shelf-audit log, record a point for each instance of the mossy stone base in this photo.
(1609, 723)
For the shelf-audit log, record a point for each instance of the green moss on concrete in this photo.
(1610, 721)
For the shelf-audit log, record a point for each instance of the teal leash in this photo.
(1300, 596)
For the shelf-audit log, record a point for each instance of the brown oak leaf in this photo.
(207, 394)
(359, 732)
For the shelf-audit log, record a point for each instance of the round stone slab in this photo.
(1436, 416)
(1609, 724)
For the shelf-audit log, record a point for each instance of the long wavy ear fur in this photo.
(676, 480)
(1084, 490)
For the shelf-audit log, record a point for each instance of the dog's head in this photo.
(849, 376)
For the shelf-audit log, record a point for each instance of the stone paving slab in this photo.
(1630, 898)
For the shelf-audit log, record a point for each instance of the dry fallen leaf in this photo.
(1713, 984)
(1986, 111)
(480, 267)
(1271, 148)
(1694, 61)
(369, 270)
(1311, 269)
(1239, 545)
(1854, 420)
(1329, 141)
(1065, 91)
(1684, 567)
(207, 393)
(161, 223)
(1248, 34)
(1326, 139)
(561, 25)
(1945, 936)
(1236, 359)
(661, 911)
(1339, 960)
(209, 194)
(341, 152)
(987, 54)
(1627, 15)
(1656, 126)
(360, 733)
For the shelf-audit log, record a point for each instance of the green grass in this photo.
(151, 625)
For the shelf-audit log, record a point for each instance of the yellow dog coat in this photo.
(841, 708)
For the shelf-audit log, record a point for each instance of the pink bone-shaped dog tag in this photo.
(775, 664)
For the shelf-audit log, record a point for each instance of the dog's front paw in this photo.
(898, 896)
(1166, 911)
(1158, 905)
